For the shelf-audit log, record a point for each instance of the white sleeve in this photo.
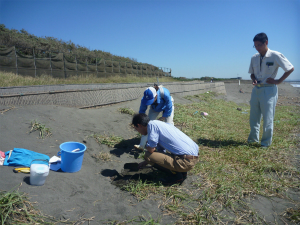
(283, 62)
(251, 71)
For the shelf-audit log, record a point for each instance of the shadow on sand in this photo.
(126, 146)
(219, 144)
(128, 176)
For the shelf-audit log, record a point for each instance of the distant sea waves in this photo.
(294, 83)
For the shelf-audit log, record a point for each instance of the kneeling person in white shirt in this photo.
(167, 147)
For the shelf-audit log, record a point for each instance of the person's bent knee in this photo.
(147, 158)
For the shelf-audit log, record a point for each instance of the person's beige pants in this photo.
(169, 161)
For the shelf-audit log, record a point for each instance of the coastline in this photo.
(241, 94)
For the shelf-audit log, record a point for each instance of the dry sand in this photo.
(90, 192)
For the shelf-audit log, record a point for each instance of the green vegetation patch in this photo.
(293, 215)
(11, 79)
(104, 156)
(141, 190)
(43, 130)
(16, 209)
(127, 110)
(109, 140)
(229, 169)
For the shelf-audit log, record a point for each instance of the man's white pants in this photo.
(263, 102)
(152, 116)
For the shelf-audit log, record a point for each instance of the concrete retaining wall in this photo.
(91, 95)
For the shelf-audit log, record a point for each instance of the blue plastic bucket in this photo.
(71, 161)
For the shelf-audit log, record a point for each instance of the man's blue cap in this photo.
(149, 95)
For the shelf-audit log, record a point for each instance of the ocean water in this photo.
(295, 83)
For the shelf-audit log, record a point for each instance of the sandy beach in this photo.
(91, 193)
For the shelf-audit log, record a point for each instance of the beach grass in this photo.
(108, 139)
(43, 130)
(15, 208)
(104, 156)
(12, 79)
(229, 170)
(142, 220)
(142, 190)
(127, 110)
(293, 215)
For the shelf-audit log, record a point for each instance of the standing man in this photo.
(182, 151)
(160, 100)
(263, 69)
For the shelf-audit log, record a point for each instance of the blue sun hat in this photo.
(149, 95)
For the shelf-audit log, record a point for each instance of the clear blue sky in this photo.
(193, 38)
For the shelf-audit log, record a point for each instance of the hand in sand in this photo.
(143, 164)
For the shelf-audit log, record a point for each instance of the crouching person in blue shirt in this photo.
(167, 148)
(160, 100)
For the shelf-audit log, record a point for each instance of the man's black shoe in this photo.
(184, 175)
(172, 179)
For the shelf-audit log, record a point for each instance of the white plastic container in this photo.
(38, 172)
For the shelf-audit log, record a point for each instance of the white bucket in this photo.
(38, 172)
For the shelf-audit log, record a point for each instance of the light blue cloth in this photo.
(166, 136)
(152, 116)
(263, 101)
(162, 104)
(23, 157)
